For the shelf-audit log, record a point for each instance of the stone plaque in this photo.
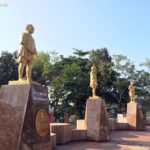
(42, 123)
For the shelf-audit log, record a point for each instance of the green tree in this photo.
(8, 67)
(143, 85)
(125, 70)
(42, 65)
(124, 66)
(70, 79)
(105, 73)
(70, 84)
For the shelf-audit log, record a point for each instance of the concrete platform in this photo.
(62, 131)
(121, 140)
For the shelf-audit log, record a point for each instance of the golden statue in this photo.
(25, 56)
(93, 80)
(132, 91)
(26, 53)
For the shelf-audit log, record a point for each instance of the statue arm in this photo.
(23, 41)
(25, 46)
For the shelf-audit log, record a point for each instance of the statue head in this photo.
(132, 82)
(29, 28)
(93, 68)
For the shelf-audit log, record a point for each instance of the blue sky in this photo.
(122, 26)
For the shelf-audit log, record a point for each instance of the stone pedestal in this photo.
(96, 120)
(121, 118)
(24, 118)
(62, 131)
(78, 134)
(147, 121)
(112, 124)
(81, 125)
(53, 140)
(135, 116)
(122, 123)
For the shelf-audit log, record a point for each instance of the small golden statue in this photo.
(93, 80)
(25, 56)
(26, 53)
(132, 91)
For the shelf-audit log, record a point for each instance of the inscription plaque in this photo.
(42, 123)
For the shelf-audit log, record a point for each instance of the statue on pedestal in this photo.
(132, 91)
(25, 57)
(93, 80)
(26, 53)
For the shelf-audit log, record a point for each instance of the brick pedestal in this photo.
(24, 118)
(135, 116)
(62, 131)
(96, 120)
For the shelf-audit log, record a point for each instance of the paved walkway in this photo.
(120, 140)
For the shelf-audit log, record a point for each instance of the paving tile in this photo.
(120, 140)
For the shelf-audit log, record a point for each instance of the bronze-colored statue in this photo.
(93, 80)
(26, 53)
(132, 91)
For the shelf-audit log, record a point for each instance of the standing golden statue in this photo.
(132, 91)
(93, 80)
(26, 53)
(25, 56)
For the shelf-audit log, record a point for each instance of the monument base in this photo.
(23, 82)
(62, 131)
(96, 120)
(135, 116)
(24, 120)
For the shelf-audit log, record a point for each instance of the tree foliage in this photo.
(70, 84)
(67, 79)
(8, 67)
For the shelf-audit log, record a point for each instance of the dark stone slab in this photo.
(19, 105)
(135, 116)
(96, 120)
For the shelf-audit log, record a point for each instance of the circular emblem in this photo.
(42, 123)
